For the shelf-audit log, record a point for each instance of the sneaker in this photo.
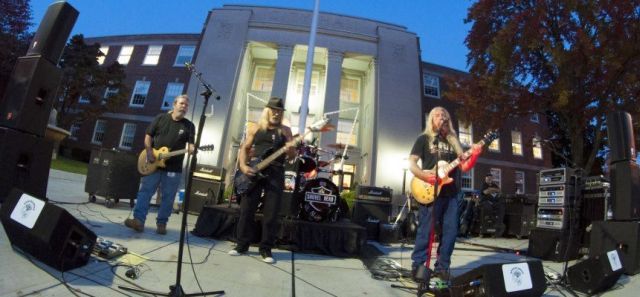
(267, 257)
(134, 224)
(237, 251)
(161, 229)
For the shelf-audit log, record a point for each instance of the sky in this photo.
(439, 24)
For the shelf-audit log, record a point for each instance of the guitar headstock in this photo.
(321, 125)
(490, 136)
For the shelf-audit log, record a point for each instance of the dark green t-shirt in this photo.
(172, 134)
(429, 156)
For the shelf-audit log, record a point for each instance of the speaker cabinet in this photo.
(554, 245)
(53, 32)
(364, 211)
(204, 192)
(625, 191)
(596, 274)
(113, 174)
(45, 231)
(505, 279)
(623, 236)
(621, 140)
(29, 95)
(25, 163)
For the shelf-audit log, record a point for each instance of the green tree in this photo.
(84, 78)
(573, 60)
(15, 16)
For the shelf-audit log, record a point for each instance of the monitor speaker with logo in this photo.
(623, 236)
(596, 274)
(45, 231)
(620, 134)
(25, 162)
(501, 279)
(372, 204)
(53, 32)
(625, 191)
(554, 245)
(29, 95)
(204, 192)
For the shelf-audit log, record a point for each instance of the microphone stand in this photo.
(176, 290)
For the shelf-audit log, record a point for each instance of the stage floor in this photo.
(308, 274)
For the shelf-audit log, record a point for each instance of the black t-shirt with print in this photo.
(172, 134)
(429, 156)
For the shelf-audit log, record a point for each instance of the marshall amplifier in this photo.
(209, 172)
(204, 193)
(374, 194)
(555, 176)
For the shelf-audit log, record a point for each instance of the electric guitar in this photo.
(243, 183)
(424, 192)
(161, 154)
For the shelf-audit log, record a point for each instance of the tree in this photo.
(84, 78)
(572, 60)
(15, 16)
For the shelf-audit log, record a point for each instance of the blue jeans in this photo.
(169, 182)
(445, 209)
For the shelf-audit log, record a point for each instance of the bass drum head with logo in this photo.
(319, 200)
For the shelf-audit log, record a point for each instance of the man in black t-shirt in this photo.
(174, 131)
(491, 205)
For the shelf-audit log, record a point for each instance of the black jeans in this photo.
(272, 186)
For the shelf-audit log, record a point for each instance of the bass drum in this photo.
(319, 201)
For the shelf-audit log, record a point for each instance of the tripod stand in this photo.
(176, 289)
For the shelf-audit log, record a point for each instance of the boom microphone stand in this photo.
(176, 290)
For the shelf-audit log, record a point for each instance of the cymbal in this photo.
(338, 146)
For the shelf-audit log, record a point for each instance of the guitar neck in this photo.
(453, 164)
(171, 154)
(264, 163)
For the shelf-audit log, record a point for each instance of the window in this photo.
(139, 94)
(173, 90)
(108, 93)
(431, 85)
(537, 148)
(128, 132)
(99, 131)
(516, 143)
(465, 134)
(467, 180)
(153, 55)
(535, 118)
(104, 50)
(125, 54)
(344, 129)
(497, 176)
(347, 179)
(74, 131)
(519, 182)
(84, 99)
(495, 145)
(185, 54)
(263, 79)
(350, 90)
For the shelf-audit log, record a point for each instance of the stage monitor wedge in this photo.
(501, 279)
(596, 274)
(45, 231)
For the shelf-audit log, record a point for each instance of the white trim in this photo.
(152, 58)
(101, 123)
(133, 94)
(125, 128)
(124, 57)
(524, 186)
(180, 49)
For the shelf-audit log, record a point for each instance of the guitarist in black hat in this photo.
(268, 136)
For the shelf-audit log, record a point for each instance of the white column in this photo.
(283, 68)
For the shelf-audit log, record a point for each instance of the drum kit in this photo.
(309, 179)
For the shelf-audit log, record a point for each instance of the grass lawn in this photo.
(69, 165)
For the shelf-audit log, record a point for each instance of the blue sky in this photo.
(439, 24)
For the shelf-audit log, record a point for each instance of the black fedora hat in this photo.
(275, 103)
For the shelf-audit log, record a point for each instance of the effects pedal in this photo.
(107, 249)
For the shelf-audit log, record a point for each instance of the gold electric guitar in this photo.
(424, 192)
(161, 154)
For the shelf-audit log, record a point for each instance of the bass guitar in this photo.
(243, 183)
(424, 192)
(161, 154)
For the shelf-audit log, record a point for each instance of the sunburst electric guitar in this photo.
(161, 154)
(243, 183)
(424, 192)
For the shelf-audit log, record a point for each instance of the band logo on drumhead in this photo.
(320, 194)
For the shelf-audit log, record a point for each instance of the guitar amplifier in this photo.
(209, 172)
(374, 194)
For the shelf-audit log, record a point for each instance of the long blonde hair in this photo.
(263, 123)
(431, 132)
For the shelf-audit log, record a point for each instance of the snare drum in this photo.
(319, 200)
